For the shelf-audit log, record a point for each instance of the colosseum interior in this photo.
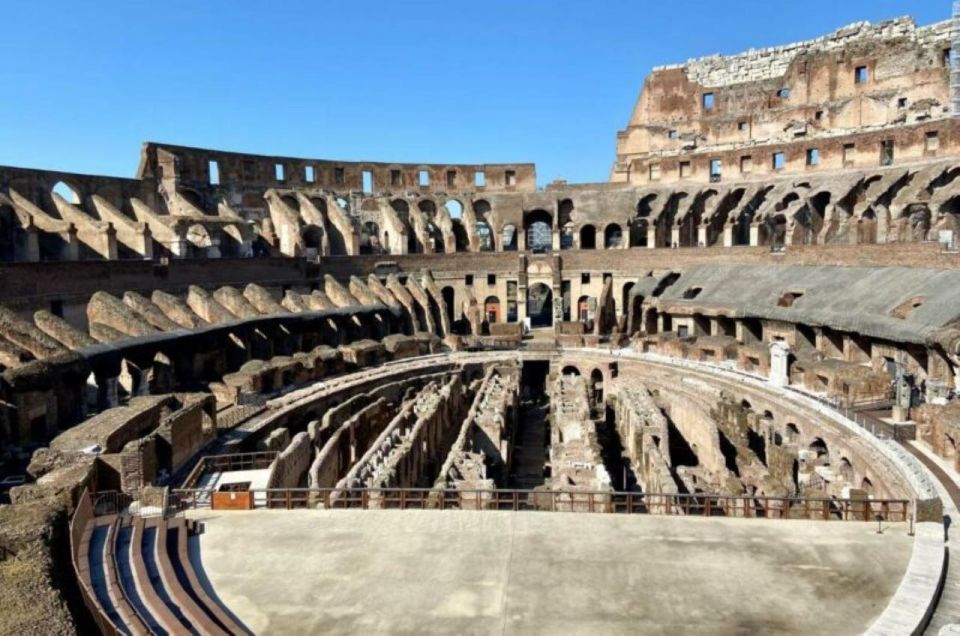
(736, 364)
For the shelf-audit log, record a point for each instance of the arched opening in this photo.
(69, 194)
(460, 238)
(596, 386)
(820, 448)
(539, 227)
(583, 309)
(484, 236)
(231, 243)
(625, 298)
(540, 305)
(588, 237)
(866, 486)
(612, 237)
(570, 370)
(448, 295)
(491, 312)
(370, 239)
(312, 239)
(793, 433)
(867, 227)
(509, 238)
(454, 208)
(201, 245)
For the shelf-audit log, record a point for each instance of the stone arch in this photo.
(491, 312)
(596, 387)
(540, 305)
(370, 239)
(201, 242)
(588, 237)
(312, 236)
(612, 236)
(625, 297)
(461, 241)
(454, 209)
(538, 225)
(484, 236)
(69, 193)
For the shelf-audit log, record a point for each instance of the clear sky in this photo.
(548, 81)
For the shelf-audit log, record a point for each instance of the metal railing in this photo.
(705, 505)
(257, 460)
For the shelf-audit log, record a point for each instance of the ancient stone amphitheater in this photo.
(716, 394)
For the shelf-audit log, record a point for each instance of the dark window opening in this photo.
(510, 177)
(468, 279)
(338, 176)
(491, 279)
(692, 292)
(788, 298)
(451, 178)
(395, 179)
(585, 278)
(861, 75)
(886, 152)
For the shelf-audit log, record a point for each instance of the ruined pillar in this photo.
(675, 236)
(728, 236)
(651, 236)
(702, 236)
(32, 244)
(779, 363)
(754, 235)
(73, 244)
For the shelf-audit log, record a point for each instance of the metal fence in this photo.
(223, 463)
(704, 505)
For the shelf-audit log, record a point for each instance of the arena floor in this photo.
(355, 571)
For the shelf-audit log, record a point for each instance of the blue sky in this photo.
(548, 81)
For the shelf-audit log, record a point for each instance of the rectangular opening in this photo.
(746, 164)
(861, 75)
(491, 279)
(396, 179)
(685, 169)
(249, 170)
(338, 176)
(849, 151)
(423, 178)
(946, 56)
(510, 178)
(367, 181)
(813, 156)
(709, 101)
(278, 172)
(932, 141)
(451, 178)
(783, 93)
(716, 166)
(56, 308)
(818, 115)
(901, 103)
(886, 152)
(310, 174)
(654, 171)
(779, 161)
(682, 331)
(479, 178)
(468, 279)
(585, 278)
(213, 170)
(673, 134)
(742, 126)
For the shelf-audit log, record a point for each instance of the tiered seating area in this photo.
(139, 577)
